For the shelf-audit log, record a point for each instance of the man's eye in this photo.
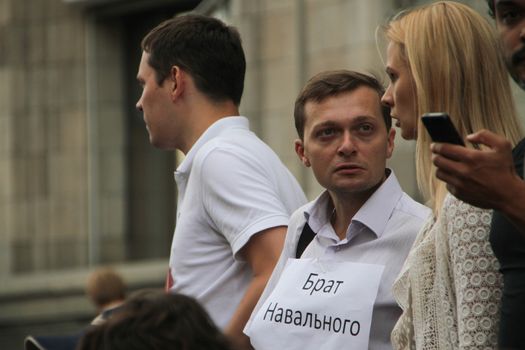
(509, 16)
(366, 128)
(325, 132)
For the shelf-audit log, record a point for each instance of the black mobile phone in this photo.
(441, 128)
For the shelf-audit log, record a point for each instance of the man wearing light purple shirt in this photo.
(363, 220)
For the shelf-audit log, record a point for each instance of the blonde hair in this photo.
(457, 66)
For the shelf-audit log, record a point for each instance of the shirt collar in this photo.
(316, 212)
(374, 214)
(378, 209)
(212, 132)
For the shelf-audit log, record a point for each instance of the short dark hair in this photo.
(209, 50)
(492, 9)
(333, 83)
(155, 320)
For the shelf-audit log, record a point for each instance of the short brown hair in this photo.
(333, 83)
(104, 286)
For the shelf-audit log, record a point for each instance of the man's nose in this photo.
(347, 146)
(522, 31)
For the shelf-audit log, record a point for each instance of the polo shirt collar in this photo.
(212, 132)
(374, 214)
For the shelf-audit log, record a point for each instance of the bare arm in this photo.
(484, 178)
(262, 253)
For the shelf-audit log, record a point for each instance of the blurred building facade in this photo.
(80, 186)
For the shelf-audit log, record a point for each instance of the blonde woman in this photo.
(445, 57)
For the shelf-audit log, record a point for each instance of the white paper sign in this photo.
(318, 304)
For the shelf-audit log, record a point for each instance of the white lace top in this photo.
(450, 286)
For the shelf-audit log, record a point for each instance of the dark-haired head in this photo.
(209, 50)
(332, 83)
(155, 320)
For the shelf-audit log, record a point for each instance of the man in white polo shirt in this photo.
(337, 293)
(235, 196)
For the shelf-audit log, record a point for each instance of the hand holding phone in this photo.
(441, 128)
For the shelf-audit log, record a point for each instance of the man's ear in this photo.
(390, 142)
(299, 149)
(177, 82)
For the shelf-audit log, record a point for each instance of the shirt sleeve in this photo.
(241, 198)
(476, 279)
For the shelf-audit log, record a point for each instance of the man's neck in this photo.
(202, 116)
(342, 213)
(345, 206)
